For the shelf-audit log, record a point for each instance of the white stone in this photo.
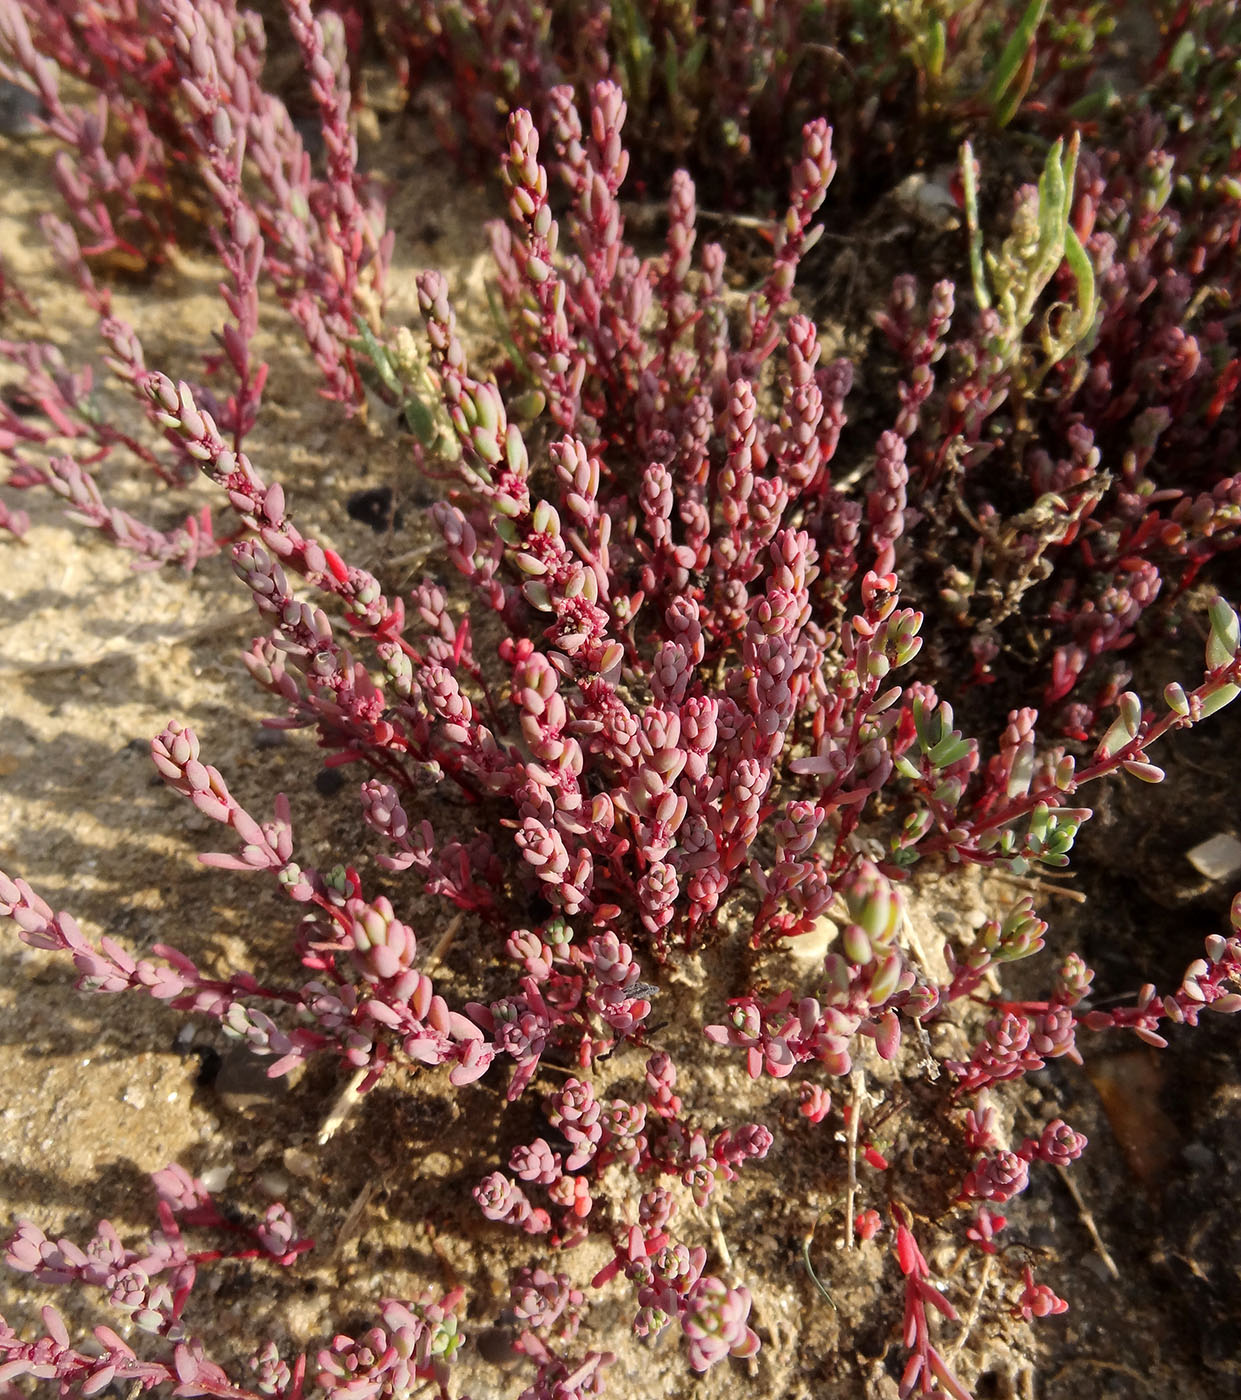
(812, 947)
(1218, 858)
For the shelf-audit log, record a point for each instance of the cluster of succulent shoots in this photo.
(706, 719)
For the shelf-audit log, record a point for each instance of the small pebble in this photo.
(812, 947)
(1198, 1156)
(18, 110)
(275, 1184)
(1217, 858)
(216, 1178)
(298, 1162)
(329, 781)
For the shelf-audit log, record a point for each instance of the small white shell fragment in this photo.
(275, 1184)
(1217, 858)
(928, 199)
(216, 1178)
